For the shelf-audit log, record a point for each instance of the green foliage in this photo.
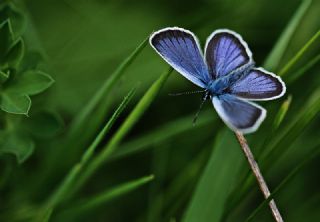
(15, 103)
(274, 58)
(31, 82)
(221, 171)
(75, 153)
(69, 183)
(17, 86)
(281, 113)
(17, 144)
(109, 195)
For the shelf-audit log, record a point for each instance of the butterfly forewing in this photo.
(238, 114)
(180, 49)
(259, 84)
(225, 52)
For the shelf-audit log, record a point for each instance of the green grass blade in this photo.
(314, 153)
(280, 144)
(130, 121)
(296, 75)
(163, 133)
(102, 93)
(111, 194)
(179, 190)
(299, 54)
(207, 203)
(275, 56)
(281, 113)
(67, 185)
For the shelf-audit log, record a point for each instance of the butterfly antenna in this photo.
(198, 112)
(186, 93)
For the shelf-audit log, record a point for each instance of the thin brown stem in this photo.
(256, 171)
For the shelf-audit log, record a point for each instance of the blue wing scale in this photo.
(259, 84)
(180, 48)
(225, 52)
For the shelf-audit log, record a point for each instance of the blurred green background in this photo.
(199, 172)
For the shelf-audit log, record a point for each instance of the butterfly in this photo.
(226, 72)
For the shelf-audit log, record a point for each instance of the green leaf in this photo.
(16, 16)
(31, 82)
(6, 39)
(15, 103)
(207, 203)
(44, 124)
(111, 194)
(20, 145)
(15, 54)
(275, 56)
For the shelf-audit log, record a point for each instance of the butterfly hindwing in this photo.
(226, 51)
(180, 48)
(259, 84)
(238, 114)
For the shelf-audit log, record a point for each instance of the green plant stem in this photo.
(61, 193)
(257, 173)
(299, 54)
(131, 120)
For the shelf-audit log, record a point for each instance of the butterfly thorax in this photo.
(222, 85)
(218, 86)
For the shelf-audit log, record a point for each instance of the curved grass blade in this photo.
(66, 186)
(299, 54)
(314, 153)
(274, 58)
(208, 199)
(162, 134)
(280, 144)
(109, 195)
(130, 121)
(281, 113)
(296, 75)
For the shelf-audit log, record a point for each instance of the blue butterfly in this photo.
(226, 72)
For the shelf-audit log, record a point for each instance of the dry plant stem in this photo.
(256, 171)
